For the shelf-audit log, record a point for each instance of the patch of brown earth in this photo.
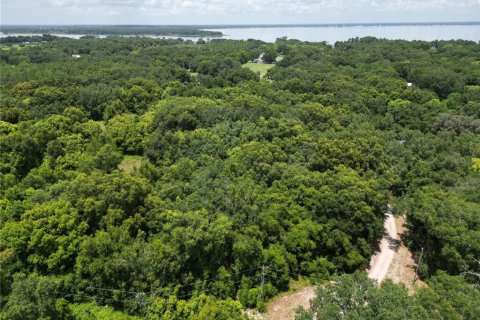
(284, 308)
(402, 268)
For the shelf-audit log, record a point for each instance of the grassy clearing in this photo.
(259, 68)
(130, 163)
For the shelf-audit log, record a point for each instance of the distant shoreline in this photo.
(313, 25)
(329, 33)
(230, 26)
(109, 30)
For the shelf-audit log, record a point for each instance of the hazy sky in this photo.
(234, 11)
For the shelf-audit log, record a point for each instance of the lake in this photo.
(331, 34)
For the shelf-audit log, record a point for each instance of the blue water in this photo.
(331, 34)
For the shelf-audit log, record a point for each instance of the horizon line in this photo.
(250, 24)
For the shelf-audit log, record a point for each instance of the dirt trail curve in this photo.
(393, 261)
(284, 307)
(381, 261)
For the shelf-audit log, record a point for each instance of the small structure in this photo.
(75, 56)
(259, 59)
(409, 84)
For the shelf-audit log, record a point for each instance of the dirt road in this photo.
(393, 261)
(381, 261)
(402, 268)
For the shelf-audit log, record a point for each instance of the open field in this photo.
(259, 68)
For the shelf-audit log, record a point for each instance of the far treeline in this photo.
(160, 179)
(160, 30)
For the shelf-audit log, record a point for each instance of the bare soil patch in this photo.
(402, 268)
(283, 308)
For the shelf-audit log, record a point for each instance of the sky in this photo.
(235, 11)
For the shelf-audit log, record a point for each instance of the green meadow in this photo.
(259, 68)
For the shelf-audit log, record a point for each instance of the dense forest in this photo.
(159, 179)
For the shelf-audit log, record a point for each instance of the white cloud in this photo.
(113, 13)
(246, 6)
(242, 11)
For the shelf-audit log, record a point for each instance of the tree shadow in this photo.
(393, 244)
(375, 246)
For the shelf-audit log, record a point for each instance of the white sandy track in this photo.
(381, 261)
(283, 308)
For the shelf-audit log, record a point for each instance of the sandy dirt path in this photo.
(381, 261)
(393, 261)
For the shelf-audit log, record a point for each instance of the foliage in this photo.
(114, 30)
(33, 297)
(159, 178)
(446, 226)
(90, 311)
(357, 297)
